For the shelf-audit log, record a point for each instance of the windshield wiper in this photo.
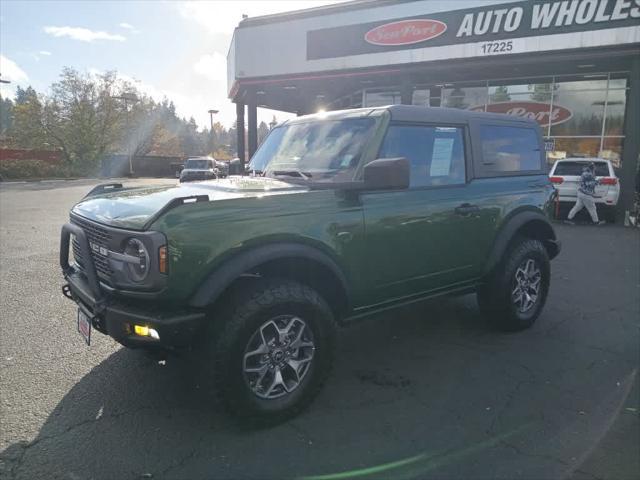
(292, 173)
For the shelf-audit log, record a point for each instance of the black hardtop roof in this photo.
(414, 113)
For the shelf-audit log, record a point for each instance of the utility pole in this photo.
(212, 112)
(130, 97)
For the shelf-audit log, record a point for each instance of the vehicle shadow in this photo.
(432, 392)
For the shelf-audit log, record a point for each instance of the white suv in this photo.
(565, 176)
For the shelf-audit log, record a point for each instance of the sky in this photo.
(172, 49)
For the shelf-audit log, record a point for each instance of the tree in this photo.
(189, 140)
(541, 92)
(263, 131)
(27, 130)
(83, 118)
(501, 94)
(6, 115)
(140, 130)
(233, 137)
(456, 99)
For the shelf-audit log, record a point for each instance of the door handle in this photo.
(466, 209)
(536, 185)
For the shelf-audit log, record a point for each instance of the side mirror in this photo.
(387, 174)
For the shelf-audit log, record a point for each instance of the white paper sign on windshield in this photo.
(441, 158)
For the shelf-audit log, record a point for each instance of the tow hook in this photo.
(66, 291)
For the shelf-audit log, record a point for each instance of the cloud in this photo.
(212, 66)
(83, 34)
(12, 72)
(128, 26)
(42, 53)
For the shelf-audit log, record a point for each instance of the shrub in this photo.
(16, 169)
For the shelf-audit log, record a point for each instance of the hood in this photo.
(132, 208)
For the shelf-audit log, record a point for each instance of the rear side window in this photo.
(508, 150)
(436, 154)
(575, 168)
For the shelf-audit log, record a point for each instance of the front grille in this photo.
(98, 236)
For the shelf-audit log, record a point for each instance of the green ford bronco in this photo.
(343, 214)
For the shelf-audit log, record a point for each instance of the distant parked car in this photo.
(198, 168)
(565, 176)
(222, 168)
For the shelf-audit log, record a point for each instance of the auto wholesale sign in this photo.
(489, 23)
(542, 113)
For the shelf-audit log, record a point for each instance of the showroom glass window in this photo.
(381, 98)
(466, 96)
(580, 115)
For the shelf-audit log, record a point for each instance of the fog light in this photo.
(144, 331)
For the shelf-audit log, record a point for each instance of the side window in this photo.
(436, 154)
(508, 149)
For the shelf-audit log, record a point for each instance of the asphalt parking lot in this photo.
(425, 392)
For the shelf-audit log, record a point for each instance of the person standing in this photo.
(587, 195)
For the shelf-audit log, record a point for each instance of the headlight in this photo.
(138, 271)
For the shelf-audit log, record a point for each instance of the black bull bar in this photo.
(89, 268)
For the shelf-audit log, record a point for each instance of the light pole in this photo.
(129, 97)
(212, 112)
(4, 81)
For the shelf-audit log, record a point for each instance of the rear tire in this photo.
(273, 351)
(515, 292)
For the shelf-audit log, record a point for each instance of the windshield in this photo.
(198, 164)
(324, 149)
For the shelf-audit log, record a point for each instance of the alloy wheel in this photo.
(526, 285)
(278, 356)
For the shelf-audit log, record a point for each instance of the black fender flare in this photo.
(510, 228)
(222, 276)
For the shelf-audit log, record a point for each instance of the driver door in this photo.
(417, 239)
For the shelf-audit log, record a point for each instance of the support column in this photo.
(240, 134)
(631, 146)
(406, 93)
(252, 125)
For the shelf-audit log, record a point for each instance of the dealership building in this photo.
(572, 65)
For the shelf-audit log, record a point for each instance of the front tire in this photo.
(516, 291)
(273, 351)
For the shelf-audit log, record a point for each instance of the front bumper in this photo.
(115, 316)
(610, 199)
